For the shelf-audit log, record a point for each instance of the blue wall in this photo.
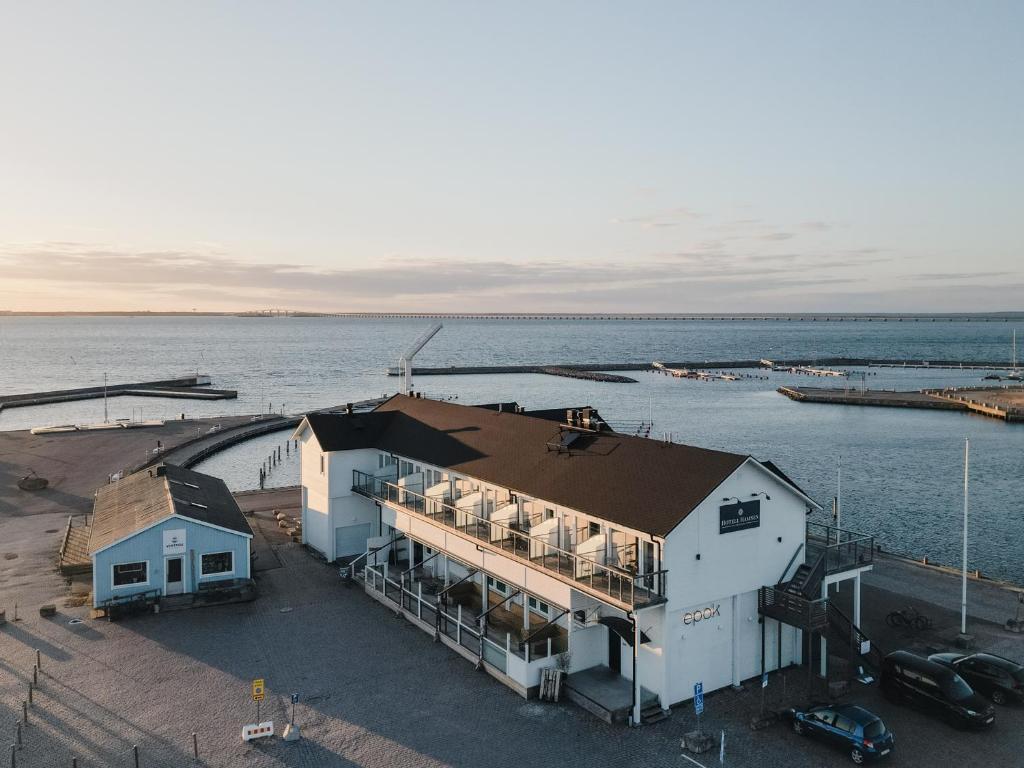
(149, 545)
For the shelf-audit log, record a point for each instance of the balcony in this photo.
(619, 586)
(842, 550)
(793, 609)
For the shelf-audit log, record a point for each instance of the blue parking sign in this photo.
(698, 697)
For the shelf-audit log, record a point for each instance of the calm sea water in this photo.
(902, 476)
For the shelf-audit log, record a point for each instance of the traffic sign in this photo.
(764, 679)
(698, 697)
(257, 690)
(295, 698)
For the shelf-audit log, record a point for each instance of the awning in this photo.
(623, 629)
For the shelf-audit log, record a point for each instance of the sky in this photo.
(503, 157)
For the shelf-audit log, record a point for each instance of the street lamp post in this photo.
(963, 579)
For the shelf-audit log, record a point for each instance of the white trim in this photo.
(215, 527)
(301, 429)
(785, 484)
(164, 520)
(218, 573)
(184, 584)
(135, 584)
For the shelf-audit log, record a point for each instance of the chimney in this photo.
(586, 418)
(570, 418)
(349, 408)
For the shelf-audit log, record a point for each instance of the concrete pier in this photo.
(818, 364)
(1005, 403)
(188, 387)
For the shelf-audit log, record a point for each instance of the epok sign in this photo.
(704, 614)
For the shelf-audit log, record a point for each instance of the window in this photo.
(548, 513)
(126, 574)
(844, 723)
(321, 463)
(874, 730)
(539, 606)
(497, 586)
(595, 529)
(380, 461)
(218, 563)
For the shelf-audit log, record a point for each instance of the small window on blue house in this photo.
(218, 563)
(126, 574)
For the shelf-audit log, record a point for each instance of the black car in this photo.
(1000, 679)
(860, 732)
(934, 688)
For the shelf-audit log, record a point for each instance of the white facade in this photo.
(705, 625)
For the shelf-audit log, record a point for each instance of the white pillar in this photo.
(636, 669)
(823, 662)
(735, 641)
(856, 600)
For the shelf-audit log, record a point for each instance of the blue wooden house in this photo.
(166, 531)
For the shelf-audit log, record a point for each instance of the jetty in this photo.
(816, 367)
(1006, 403)
(188, 387)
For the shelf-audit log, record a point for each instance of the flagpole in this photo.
(963, 579)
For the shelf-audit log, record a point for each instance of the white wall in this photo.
(736, 563)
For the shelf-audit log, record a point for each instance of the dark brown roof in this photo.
(151, 495)
(643, 484)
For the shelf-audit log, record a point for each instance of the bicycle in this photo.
(908, 617)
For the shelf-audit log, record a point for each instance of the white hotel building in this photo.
(526, 540)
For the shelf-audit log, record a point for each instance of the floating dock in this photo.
(189, 388)
(1005, 403)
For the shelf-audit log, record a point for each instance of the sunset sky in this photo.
(458, 156)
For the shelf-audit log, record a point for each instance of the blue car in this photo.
(861, 733)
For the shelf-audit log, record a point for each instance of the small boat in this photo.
(52, 430)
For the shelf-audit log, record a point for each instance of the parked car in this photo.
(1002, 680)
(934, 688)
(861, 733)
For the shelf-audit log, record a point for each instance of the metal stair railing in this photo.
(853, 636)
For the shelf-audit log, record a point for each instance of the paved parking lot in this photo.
(374, 692)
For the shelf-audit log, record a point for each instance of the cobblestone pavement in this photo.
(375, 691)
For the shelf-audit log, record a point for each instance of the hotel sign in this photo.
(174, 542)
(739, 516)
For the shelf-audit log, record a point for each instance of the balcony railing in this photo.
(619, 584)
(844, 550)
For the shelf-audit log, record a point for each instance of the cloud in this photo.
(215, 280)
(959, 275)
(672, 217)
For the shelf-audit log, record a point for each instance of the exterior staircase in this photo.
(74, 549)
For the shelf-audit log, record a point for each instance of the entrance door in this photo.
(614, 652)
(174, 585)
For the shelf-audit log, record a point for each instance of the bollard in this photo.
(24, 712)
(135, 752)
(35, 675)
(195, 746)
(74, 762)
(18, 735)
(39, 659)
(13, 758)
(30, 693)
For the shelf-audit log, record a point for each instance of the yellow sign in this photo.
(257, 690)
